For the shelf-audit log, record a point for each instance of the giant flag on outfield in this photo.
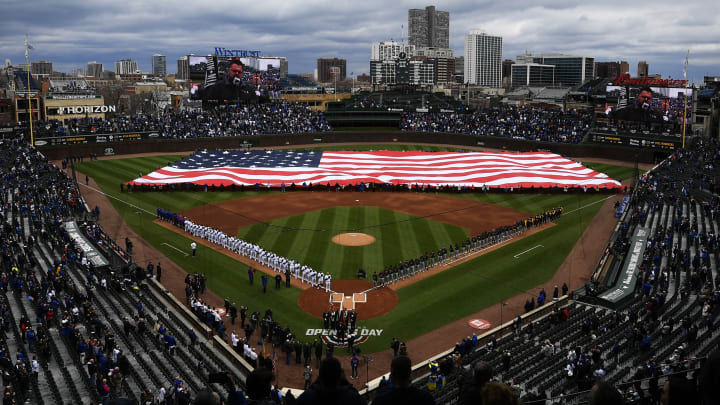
(495, 170)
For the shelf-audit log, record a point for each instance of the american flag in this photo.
(275, 168)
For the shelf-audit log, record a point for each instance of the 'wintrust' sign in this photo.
(237, 53)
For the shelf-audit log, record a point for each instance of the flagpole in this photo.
(686, 96)
(27, 63)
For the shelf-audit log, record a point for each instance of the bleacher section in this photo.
(81, 311)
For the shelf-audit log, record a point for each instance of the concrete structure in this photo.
(324, 69)
(41, 69)
(159, 65)
(125, 67)
(642, 70)
(483, 59)
(429, 27)
(94, 69)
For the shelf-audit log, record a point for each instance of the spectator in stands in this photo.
(470, 392)
(402, 392)
(207, 397)
(679, 391)
(259, 387)
(497, 393)
(709, 378)
(603, 393)
(331, 387)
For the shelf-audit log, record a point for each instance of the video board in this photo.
(649, 104)
(225, 79)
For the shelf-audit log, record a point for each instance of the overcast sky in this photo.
(71, 33)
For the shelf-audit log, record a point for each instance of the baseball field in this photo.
(402, 231)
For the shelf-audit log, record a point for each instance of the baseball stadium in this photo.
(545, 248)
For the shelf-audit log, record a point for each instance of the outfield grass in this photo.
(306, 238)
(423, 306)
(616, 172)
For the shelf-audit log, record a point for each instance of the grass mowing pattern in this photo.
(616, 172)
(423, 306)
(307, 238)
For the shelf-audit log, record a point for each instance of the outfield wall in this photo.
(644, 155)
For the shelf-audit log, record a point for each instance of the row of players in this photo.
(304, 273)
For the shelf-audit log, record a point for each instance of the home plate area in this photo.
(356, 295)
(348, 301)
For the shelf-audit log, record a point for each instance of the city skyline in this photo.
(72, 35)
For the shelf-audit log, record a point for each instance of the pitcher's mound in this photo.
(353, 239)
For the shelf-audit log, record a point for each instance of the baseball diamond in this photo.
(410, 307)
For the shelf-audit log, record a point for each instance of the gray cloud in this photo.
(71, 33)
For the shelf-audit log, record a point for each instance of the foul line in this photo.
(587, 205)
(516, 256)
(122, 201)
(173, 247)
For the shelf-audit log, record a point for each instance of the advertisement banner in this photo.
(97, 259)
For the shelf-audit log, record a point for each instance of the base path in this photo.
(378, 302)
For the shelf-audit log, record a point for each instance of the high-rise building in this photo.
(41, 68)
(624, 67)
(325, 69)
(570, 70)
(390, 50)
(126, 67)
(607, 69)
(507, 69)
(182, 68)
(460, 69)
(643, 68)
(94, 69)
(532, 74)
(159, 65)
(80, 72)
(443, 63)
(429, 27)
(483, 59)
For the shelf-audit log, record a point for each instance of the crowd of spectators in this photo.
(531, 123)
(221, 120)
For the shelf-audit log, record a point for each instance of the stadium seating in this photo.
(532, 123)
(665, 327)
(52, 272)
